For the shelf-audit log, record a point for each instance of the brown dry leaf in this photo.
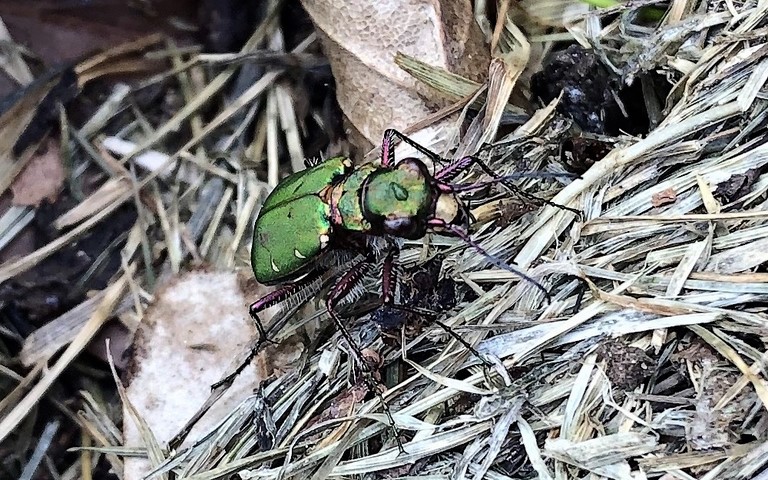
(664, 197)
(41, 179)
(57, 31)
(738, 185)
(185, 343)
(626, 367)
(361, 40)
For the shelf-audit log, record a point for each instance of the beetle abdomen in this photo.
(288, 237)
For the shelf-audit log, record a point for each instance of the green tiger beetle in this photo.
(336, 205)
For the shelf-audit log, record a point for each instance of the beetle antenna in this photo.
(452, 171)
(468, 187)
(436, 222)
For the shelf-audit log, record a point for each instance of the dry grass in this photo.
(648, 363)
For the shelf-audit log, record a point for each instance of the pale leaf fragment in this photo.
(41, 179)
(362, 39)
(605, 455)
(186, 342)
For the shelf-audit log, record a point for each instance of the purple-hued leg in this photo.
(433, 318)
(444, 175)
(453, 170)
(388, 285)
(391, 134)
(387, 148)
(272, 298)
(389, 277)
(468, 187)
(462, 234)
(346, 283)
(341, 289)
(276, 296)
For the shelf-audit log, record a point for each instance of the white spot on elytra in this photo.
(324, 239)
(274, 267)
(298, 254)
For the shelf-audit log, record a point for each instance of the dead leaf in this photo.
(361, 40)
(57, 31)
(626, 367)
(41, 179)
(664, 197)
(185, 343)
(737, 186)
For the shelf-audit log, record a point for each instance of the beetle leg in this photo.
(464, 235)
(276, 296)
(453, 170)
(432, 315)
(391, 134)
(387, 148)
(341, 289)
(388, 285)
(389, 277)
(272, 298)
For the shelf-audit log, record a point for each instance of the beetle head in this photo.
(397, 200)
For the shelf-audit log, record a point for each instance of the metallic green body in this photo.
(294, 224)
(297, 221)
(288, 237)
(307, 182)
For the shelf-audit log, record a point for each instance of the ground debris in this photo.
(642, 358)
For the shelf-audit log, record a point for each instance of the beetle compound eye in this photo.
(405, 227)
(413, 167)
